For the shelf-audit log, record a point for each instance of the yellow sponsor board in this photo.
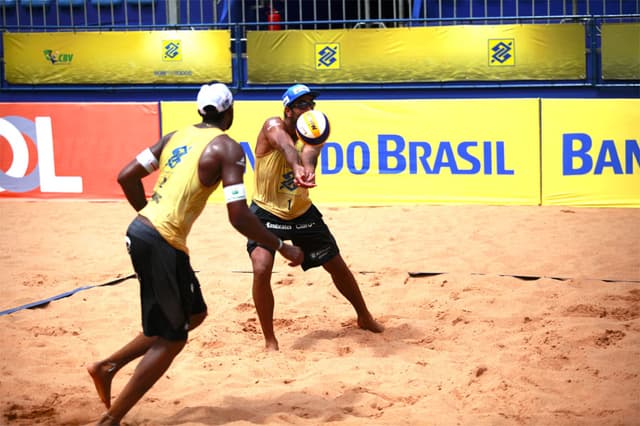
(427, 54)
(131, 57)
(621, 51)
(408, 151)
(591, 152)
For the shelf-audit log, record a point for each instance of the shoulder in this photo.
(169, 135)
(156, 148)
(273, 123)
(224, 147)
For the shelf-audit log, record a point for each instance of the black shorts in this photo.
(309, 232)
(169, 290)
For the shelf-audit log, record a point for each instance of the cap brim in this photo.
(312, 93)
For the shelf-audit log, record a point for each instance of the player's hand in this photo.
(310, 178)
(304, 178)
(292, 253)
(306, 182)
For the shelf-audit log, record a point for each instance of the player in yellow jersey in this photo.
(192, 163)
(284, 172)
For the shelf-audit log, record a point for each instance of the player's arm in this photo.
(131, 175)
(276, 133)
(309, 159)
(232, 166)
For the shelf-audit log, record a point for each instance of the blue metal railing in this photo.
(85, 15)
(122, 15)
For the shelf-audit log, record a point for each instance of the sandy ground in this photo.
(467, 342)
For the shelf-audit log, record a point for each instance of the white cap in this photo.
(217, 95)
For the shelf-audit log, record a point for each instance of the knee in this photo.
(196, 320)
(261, 272)
(262, 263)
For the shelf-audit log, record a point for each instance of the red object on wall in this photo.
(44, 145)
(274, 18)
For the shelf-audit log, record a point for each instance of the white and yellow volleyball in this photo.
(313, 127)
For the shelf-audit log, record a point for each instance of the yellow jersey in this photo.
(178, 196)
(274, 189)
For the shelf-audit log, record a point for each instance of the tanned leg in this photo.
(102, 372)
(346, 284)
(152, 366)
(262, 261)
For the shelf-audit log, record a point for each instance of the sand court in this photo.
(516, 315)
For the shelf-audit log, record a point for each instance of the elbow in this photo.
(237, 222)
(123, 178)
(238, 217)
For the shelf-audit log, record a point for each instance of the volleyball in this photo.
(313, 127)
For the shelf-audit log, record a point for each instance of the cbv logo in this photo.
(57, 58)
(16, 179)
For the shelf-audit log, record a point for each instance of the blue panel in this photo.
(416, 13)
(191, 12)
(612, 8)
(462, 9)
(147, 12)
(103, 3)
(34, 3)
(8, 3)
(630, 7)
(70, 2)
(558, 8)
(509, 8)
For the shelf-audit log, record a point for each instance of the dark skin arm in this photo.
(224, 159)
(130, 177)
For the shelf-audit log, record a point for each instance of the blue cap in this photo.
(294, 92)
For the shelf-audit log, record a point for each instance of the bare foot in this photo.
(271, 345)
(107, 420)
(368, 323)
(102, 374)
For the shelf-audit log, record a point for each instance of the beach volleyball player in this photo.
(284, 173)
(192, 163)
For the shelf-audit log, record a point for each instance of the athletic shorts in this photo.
(169, 290)
(309, 232)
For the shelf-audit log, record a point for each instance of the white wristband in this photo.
(234, 193)
(280, 244)
(147, 160)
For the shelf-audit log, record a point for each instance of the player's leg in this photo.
(346, 284)
(196, 319)
(152, 366)
(262, 263)
(102, 372)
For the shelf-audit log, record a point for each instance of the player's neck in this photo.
(204, 124)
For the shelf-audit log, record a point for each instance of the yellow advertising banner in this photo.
(424, 54)
(591, 152)
(408, 151)
(621, 51)
(130, 57)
